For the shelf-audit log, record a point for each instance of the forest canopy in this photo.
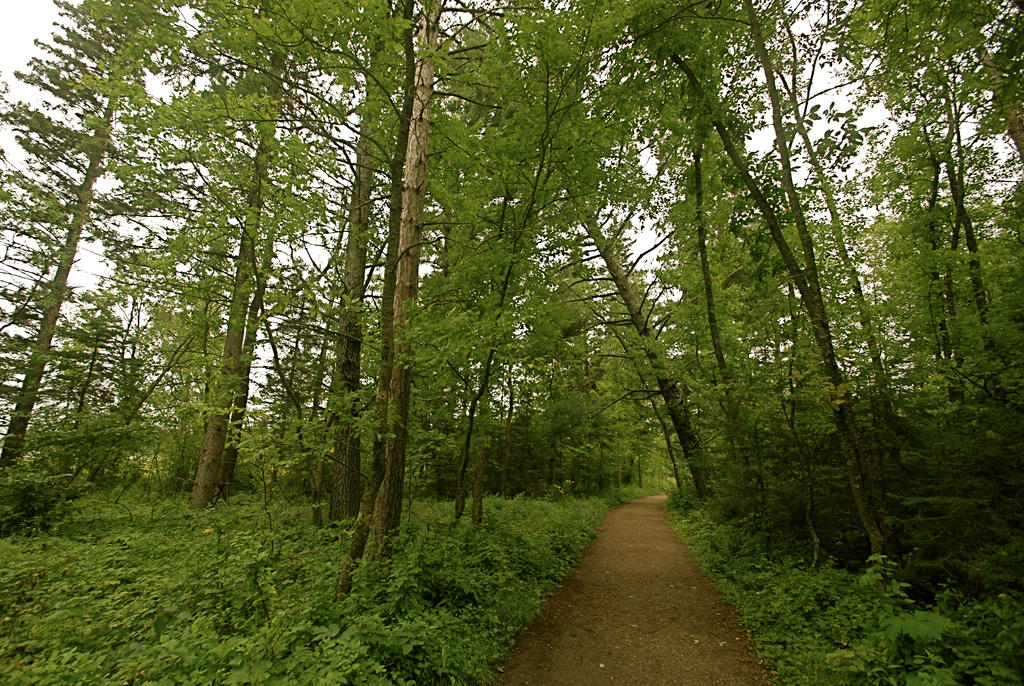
(356, 253)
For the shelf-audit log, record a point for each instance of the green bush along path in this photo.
(158, 593)
(637, 610)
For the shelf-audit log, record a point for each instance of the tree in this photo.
(229, 391)
(670, 389)
(388, 503)
(382, 395)
(92, 70)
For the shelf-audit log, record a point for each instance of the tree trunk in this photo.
(347, 470)
(882, 398)
(57, 293)
(240, 403)
(227, 386)
(945, 325)
(669, 448)
(479, 466)
(382, 423)
(955, 176)
(315, 449)
(388, 508)
(506, 461)
(230, 390)
(485, 381)
(1013, 113)
(727, 402)
(862, 469)
(705, 266)
(669, 389)
(659, 411)
(460, 475)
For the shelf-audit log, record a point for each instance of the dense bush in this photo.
(159, 594)
(33, 500)
(832, 626)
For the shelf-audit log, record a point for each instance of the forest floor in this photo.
(637, 610)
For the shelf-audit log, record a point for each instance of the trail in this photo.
(637, 610)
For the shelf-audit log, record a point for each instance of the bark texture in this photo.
(346, 478)
(381, 417)
(388, 506)
(229, 384)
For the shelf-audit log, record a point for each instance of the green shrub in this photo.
(156, 593)
(838, 627)
(682, 500)
(33, 500)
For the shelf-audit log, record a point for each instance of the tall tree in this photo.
(388, 505)
(347, 477)
(95, 65)
(863, 469)
(382, 393)
(671, 390)
(229, 392)
(346, 481)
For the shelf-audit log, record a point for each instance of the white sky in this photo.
(22, 22)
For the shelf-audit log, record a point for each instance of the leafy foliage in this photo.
(32, 500)
(860, 284)
(840, 627)
(149, 592)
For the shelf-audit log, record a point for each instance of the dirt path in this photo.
(637, 610)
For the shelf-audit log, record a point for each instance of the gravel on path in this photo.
(637, 610)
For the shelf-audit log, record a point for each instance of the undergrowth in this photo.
(142, 593)
(833, 626)
(33, 501)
